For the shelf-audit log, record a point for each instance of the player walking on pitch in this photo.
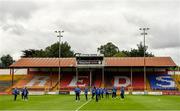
(86, 93)
(122, 93)
(77, 91)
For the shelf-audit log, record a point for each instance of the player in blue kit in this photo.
(97, 94)
(106, 92)
(15, 93)
(114, 90)
(101, 92)
(93, 92)
(25, 92)
(77, 91)
(122, 93)
(86, 93)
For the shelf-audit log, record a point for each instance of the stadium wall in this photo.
(16, 71)
(174, 72)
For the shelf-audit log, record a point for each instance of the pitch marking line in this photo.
(82, 105)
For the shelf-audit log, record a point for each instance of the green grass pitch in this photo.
(67, 102)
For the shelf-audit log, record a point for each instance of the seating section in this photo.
(65, 81)
(83, 80)
(4, 85)
(49, 80)
(121, 79)
(37, 81)
(69, 82)
(53, 80)
(40, 81)
(177, 80)
(138, 82)
(162, 82)
(6, 81)
(23, 81)
(97, 80)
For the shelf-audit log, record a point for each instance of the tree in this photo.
(29, 53)
(6, 60)
(50, 51)
(108, 49)
(1, 64)
(140, 51)
(40, 53)
(53, 50)
(120, 54)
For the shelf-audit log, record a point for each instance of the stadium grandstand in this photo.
(96, 70)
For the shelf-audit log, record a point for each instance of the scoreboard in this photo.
(89, 60)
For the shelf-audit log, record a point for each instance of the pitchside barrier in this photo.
(171, 93)
(144, 93)
(155, 93)
(126, 93)
(52, 93)
(36, 93)
(4, 93)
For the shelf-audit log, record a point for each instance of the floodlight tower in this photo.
(59, 35)
(144, 33)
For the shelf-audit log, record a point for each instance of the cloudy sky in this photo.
(89, 24)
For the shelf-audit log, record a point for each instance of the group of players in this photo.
(99, 92)
(24, 93)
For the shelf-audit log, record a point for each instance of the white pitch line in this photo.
(82, 105)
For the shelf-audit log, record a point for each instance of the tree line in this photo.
(50, 51)
(109, 50)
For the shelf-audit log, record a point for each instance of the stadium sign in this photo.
(138, 93)
(89, 55)
(89, 60)
(154, 93)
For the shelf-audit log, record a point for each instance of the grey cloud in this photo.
(135, 19)
(165, 37)
(163, 33)
(16, 9)
(84, 29)
(15, 29)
